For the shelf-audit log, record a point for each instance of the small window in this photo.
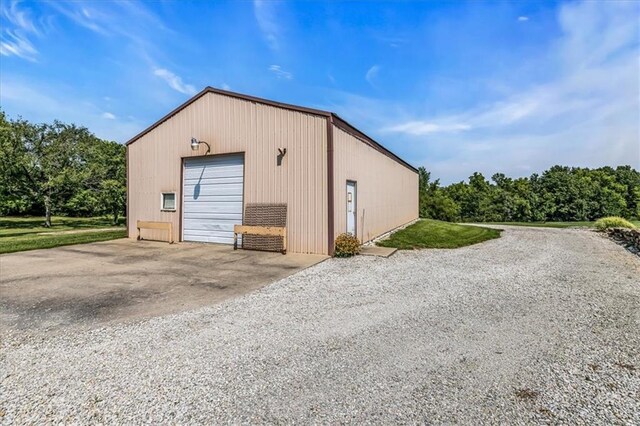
(168, 201)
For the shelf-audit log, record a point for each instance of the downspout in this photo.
(331, 213)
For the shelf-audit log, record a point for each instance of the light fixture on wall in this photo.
(195, 144)
(281, 153)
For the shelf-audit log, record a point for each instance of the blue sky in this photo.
(454, 86)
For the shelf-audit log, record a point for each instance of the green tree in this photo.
(105, 176)
(475, 205)
(51, 163)
(559, 194)
(13, 197)
(508, 200)
(113, 196)
(434, 203)
(423, 187)
(59, 168)
(630, 180)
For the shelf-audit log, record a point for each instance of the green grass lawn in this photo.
(28, 233)
(429, 233)
(585, 224)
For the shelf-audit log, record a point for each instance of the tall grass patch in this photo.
(613, 222)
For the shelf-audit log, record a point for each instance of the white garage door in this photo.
(212, 198)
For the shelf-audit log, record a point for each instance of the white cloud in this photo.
(127, 19)
(134, 41)
(174, 81)
(79, 14)
(523, 18)
(46, 102)
(266, 16)
(128, 25)
(371, 74)
(15, 43)
(17, 27)
(586, 114)
(108, 116)
(20, 18)
(417, 128)
(225, 86)
(280, 73)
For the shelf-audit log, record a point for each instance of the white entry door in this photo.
(212, 198)
(352, 206)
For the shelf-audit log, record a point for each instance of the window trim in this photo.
(175, 201)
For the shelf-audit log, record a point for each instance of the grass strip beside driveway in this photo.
(29, 233)
(429, 233)
(14, 226)
(42, 241)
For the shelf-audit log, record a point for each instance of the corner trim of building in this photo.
(330, 189)
(181, 217)
(128, 200)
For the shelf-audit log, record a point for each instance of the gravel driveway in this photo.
(541, 325)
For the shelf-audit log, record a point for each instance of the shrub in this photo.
(83, 204)
(347, 245)
(613, 222)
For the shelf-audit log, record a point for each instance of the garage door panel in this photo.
(205, 172)
(196, 193)
(200, 220)
(235, 217)
(221, 160)
(224, 179)
(201, 171)
(210, 226)
(209, 237)
(221, 198)
(212, 207)
(213, 198)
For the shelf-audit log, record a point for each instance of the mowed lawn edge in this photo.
(35, 242)
(428, 233)
(27, 233)
(580, 224)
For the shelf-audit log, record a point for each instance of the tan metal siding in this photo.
(232, 125)
(387, 191)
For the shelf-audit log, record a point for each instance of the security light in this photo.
(195, 144)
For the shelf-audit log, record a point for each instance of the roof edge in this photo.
(210, 89)
(349, 128)
(339, 122)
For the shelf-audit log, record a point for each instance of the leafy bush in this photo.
(613, 222)
(82, 204)
(347, 245)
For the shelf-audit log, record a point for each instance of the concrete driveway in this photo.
(93, 284)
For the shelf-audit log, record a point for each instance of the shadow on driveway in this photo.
(90, 285)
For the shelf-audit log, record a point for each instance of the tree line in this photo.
(558, 194)
(59, 168)
(64, 169)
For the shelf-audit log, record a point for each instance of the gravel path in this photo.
(539, 326)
